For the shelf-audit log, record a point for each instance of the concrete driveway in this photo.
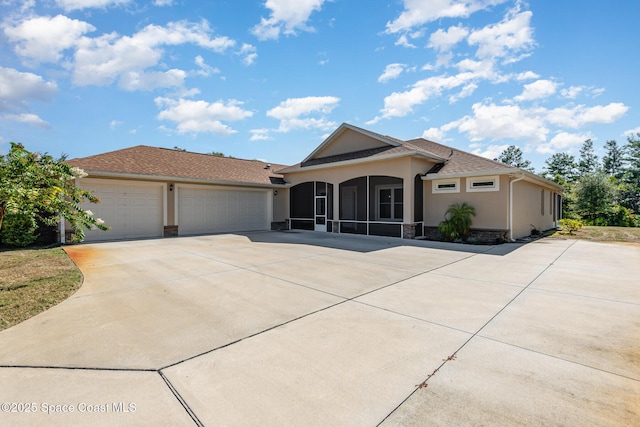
(290, 328)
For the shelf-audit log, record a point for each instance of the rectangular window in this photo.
(483, 183)
(390, 203)
(542, 202)
(445, 186)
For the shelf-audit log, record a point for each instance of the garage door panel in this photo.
(215, 211)
(131, 211)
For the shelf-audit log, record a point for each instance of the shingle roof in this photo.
(458, 161)
(163, 162)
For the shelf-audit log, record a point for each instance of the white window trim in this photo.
(387, 187)
(437, 182)
(494, 187)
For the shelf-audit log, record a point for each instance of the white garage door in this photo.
(202, 211)
(131, 210)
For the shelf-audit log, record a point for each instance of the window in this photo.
(542, 202)
(390, 203)
(483, 183)
(445, 186)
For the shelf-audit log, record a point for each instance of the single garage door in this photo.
(132, 210)
(202, 211)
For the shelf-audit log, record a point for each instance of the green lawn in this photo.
(33, 280)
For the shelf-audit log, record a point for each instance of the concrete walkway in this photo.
(318, 329)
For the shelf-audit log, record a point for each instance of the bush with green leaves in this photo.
(19, 230)
(43, 189)
(457, 221)
(570, 225)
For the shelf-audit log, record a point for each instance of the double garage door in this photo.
(202, 210)
(136, 210)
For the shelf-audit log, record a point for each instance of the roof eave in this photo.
(167, 178)
(360, 161)
(505, 171)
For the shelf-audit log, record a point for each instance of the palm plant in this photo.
(457, 221)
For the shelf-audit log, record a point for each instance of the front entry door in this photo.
(321, 214)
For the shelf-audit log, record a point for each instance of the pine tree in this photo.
(613, 161)
(588, 162)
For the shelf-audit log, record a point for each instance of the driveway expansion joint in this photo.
(451, 357)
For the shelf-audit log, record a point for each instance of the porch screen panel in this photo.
(302, 200)
(376, 205)
(418, 199)
(360, 185)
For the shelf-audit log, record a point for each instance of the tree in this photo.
(561, 168)
(42, 188)
(613, 161)
(595, 195)
(630, 181)
(513, 156)
(588, 162)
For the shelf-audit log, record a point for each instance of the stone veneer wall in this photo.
(479, 235)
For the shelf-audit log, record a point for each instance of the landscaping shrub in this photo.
(570, 225)
(457, 221)
(18, 229)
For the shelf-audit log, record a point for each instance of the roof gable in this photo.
(166, 163)
(350, 139)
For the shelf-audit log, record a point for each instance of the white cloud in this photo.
(69, 5)
(537, 90)
(632, 132)
(533, 125)
(580, 115)
(434, 134)
(489, 152)
(260, 135)
(205, 69)
(43, 39)
(391, 71)
(504, 39)
(444, 40)
(134, 80)
(115, 124)
(17, 87)
(563, 141)
(105, 59)
(399, 104)
(503, 122)
(419, 12)
(291, 111)
(527, 75)
(286, 17)
(161, 3)
(572, 92)
(249, 53)
(466, 91)
(28, 119)
(193, 117)
(403, 41)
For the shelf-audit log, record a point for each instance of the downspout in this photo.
(511, 239)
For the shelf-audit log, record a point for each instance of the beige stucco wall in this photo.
(492, 207)
(348, 142)
(527, 206)
(404, 167)
(280, 205)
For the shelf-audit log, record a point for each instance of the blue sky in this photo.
(271, 79)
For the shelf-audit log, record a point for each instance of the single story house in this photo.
(356, 181)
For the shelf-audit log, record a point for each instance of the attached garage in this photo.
(133, 210)
(203, 210)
